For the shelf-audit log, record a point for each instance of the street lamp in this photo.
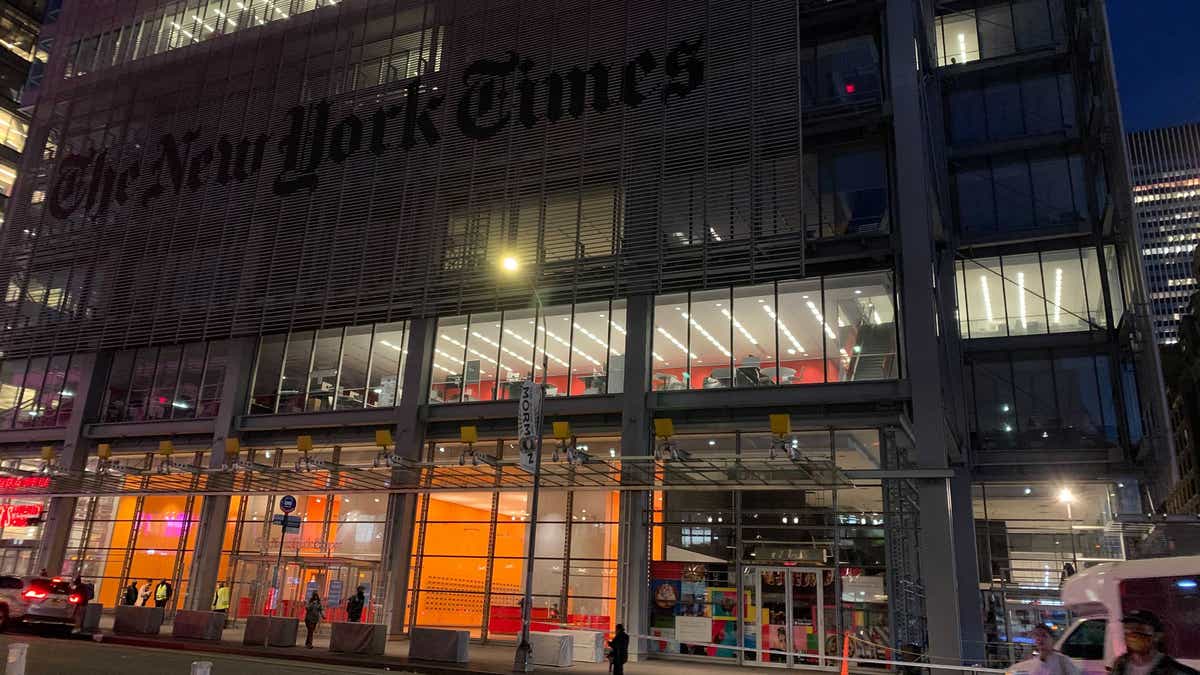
(523, 661)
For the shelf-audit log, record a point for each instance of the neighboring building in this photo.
(257, 251)
(1165, 164)
(19, 49)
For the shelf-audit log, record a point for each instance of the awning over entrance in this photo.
(698, 472)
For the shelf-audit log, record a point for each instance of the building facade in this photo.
(260, 254)
(22, 56)
(1166, 177)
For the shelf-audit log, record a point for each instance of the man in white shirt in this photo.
(1047, 661)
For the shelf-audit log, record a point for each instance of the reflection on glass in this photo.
(1024, 294)
(860, 327)
(323, 380)
(482, 362)
(516, 351)
(616, 358)
(296, 363)
(589, 349)
(798, 322)
(710, 330)
(554, 345)
(352, 375)
(449, 350)
(754, 336)
(670, 348)
(387, 363)
(185, 403)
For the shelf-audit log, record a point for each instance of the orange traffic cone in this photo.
(846, 654)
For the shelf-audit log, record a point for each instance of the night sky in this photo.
(1155, 44)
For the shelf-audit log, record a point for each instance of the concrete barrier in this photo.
(282, 631)
(589, 644)
(91, 617)
(358, 638)
(197, 625)
(439, 644)
(550, 649)
(133, 620)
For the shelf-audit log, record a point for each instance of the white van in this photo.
(1099, 596)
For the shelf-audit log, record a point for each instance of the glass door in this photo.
(785, 624)
(807, 619)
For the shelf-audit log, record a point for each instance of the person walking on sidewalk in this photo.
(620, 650)
(1145, 652)
(314, 611)
(1048, 661)
(354, 606)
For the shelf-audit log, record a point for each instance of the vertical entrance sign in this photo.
(529, 423)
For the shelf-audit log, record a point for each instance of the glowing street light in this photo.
(510, 263)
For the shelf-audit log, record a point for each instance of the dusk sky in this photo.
(1155, 45)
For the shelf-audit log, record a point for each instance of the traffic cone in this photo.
(846, 654)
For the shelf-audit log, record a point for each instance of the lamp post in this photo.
(523, 661)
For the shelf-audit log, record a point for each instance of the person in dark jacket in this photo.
(131, 594)
(619, 645)
(314, 611)
(354, 606)
(1143, 644)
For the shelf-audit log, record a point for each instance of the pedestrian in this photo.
(1047, 661)
(354, 606)
(131, 594)
(620, 650)
(221, 598)
(162, 593)
(314, 611)
(81, 590)
(1144, 653)
(144, 594)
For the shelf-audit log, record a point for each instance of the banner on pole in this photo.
(529, 423)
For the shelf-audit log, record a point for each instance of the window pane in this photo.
(1014, 195)
(995, 31)
(323, 380)
(26, 407)
(1033, 387)
(1108, 408)
(589, 349)
(976, 206)
(266, 375)
(1079, 401)
(116, 395)
(1066, 300)
(1078, 183)
(70, 387)
(1042, 104)
(166, 378)
(356, 350)
(670, 351)
(1115, 291)
(482, 357)
(387, 363)
(995, 410)
(1031, 23)
(860, 326)
(968, 116)
(296, 364)
(1052, 195)
(709, 336)
(985, 298)
(957, 39)
(754, 336)
(554, 335)
(861, 200)
(960, 300)
(516, 351)
(1024, 295)
(139, 388)
(449, 350)
(801, 341)
(616, 357)
(213, 382)
(184, 406)
(1003, 100)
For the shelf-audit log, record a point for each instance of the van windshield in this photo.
(1176, 603)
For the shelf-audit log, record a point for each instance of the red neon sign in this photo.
(10, 483)
(19, 515)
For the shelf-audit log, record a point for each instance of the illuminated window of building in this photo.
(13, 130)
(8, 176)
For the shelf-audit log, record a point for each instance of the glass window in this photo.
(589, 349)
(482, 359)
(186, 402)
(449, 350)
(323, 380)
(957, 38)
(1115, 290)
(801, 333)
(1024, 294)
(1003, 100)
(995, 408)
(1176, 603)
(1031, 23)
(1086, 641)
(1033, 389)
(144, 363)
(860, 195)
(116, 395)
(516, 351)
(27, 406)
(1042, 104)
(8, 176)
(754, 336)
(387, 365)
(1066, 292)
(616, 358)
(1014, 195)
(1052, 194)
(670, 351)
(996, 31)
(968, 116)
(1079, 400)
(266, 374)
(352, 375)
(296, 363)
(860, 327)
(710, 334)
(67, 399)
(976, 205)
(554, 335)
(13, 130)
(213, 383)
(984, 298)
(166, 378)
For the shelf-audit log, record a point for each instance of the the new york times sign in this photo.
(496, 94)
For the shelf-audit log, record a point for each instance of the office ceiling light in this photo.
(453, 358)
(962, 48)
(1021, 299)
(716, 343)
(660, 359)
(385, 343)
(618, 327)
(1058, 276)
(569, 346)
(821, 320)
(506, 350)
(987, 299)
(445, 369)
(796, 346)
(677, 343)
(740, 327)
(592, 336)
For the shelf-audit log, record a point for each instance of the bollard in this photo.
(17, 652)
(201, 667)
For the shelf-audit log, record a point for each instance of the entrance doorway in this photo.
(334, 579)
(785, 624)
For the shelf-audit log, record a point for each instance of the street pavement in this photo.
(49, 655)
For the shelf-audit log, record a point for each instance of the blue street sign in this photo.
(290, 523)
(287, 504)
(335, 593)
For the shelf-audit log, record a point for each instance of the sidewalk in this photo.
(491, 659)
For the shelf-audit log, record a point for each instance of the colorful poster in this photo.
(666, 642)
(693, 629)
(722, 603)
(693, 598)
(665, 596)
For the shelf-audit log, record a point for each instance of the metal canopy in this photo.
(698, 472)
